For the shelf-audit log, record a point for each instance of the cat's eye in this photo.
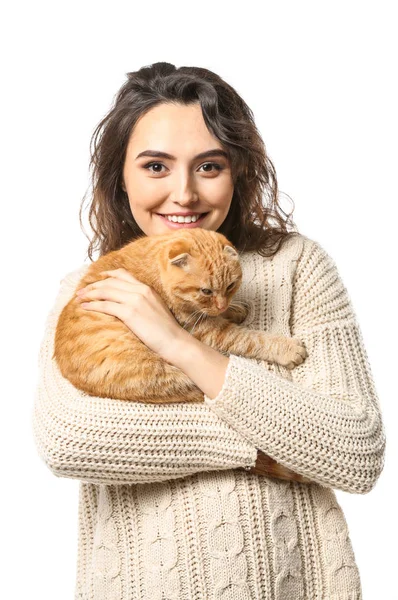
(207, 292)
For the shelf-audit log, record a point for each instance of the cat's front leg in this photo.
(224, 336)
(285, 351)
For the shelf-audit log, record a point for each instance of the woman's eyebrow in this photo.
(207, 154)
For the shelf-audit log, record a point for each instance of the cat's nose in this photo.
(221, 304)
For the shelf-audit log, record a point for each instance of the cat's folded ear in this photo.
(181, 260)
(231, 252)
(178, 254)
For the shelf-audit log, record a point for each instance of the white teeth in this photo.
(181, 219)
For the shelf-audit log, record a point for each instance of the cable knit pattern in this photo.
(287, 559)
(341, 567)
(160, 548)
(224, 537)
(106, 561)
(167, 509)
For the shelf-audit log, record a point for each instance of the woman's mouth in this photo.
(177, 225)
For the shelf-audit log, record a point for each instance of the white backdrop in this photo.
(321, 80)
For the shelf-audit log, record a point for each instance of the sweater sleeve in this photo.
(322, 419)
(111, 441)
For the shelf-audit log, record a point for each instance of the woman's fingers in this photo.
(120, 294)
(115, 292)
(116, 309)
(120, 281)
(122, 274)
(103, 283)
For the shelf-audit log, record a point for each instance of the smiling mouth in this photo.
(194, 215)
(182, 224)
(197, 215)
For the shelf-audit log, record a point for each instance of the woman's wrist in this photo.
(204, 365)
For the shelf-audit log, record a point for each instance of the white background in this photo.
(321, 79)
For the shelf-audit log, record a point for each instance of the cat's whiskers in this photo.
(236, 303)
(192, 316)
(202, 315)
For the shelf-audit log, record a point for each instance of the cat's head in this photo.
(201, 271)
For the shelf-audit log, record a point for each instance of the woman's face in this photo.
(182, 182)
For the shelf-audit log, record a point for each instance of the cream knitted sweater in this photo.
(167, 510)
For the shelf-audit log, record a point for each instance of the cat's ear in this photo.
(231, 252)
(181, 260)
(177, 253)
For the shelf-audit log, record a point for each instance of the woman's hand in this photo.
(137, 305)
(265, 465)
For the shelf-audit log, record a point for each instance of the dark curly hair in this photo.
(251, 224)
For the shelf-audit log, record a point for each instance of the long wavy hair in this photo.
(255, 220)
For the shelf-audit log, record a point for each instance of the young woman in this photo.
(176, 500)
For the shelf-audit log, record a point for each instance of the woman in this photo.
(207, 519)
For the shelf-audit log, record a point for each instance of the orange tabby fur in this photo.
(101, 356)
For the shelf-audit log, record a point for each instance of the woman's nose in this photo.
(184, 190)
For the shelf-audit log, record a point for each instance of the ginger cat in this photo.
(101, 356)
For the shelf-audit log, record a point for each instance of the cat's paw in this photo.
(291, 353)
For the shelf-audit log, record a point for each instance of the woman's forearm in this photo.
(205, 366)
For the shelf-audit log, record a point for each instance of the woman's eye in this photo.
(150, 166)
(216, 165)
